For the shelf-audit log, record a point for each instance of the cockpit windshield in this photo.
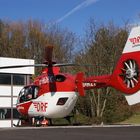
(28, 93)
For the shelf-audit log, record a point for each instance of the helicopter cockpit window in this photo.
(28, 93)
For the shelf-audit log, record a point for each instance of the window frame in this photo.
(10, 76)
(8, 115)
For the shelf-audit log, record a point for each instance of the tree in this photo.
(63, 41)
(103, 47)
(28, 40)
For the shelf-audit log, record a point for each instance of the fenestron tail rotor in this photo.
(130, 73)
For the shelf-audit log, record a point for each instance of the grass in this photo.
(134, 119)
(80, 119)
(76, 120)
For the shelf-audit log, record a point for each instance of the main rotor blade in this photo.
(38, 65)
(48, 53)
(64, 64)
(73, 64)
(42, 65)
(22, 66)
(48, 65)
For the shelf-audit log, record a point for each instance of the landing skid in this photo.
(33, 121)
(39, 121)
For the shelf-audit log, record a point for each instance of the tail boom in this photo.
(126, 75)
(96, 82)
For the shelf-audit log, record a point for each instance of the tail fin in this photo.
(126, 76)
(79, 83)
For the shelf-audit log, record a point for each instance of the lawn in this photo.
(134, 119)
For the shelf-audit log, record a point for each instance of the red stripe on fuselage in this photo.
(24, 107)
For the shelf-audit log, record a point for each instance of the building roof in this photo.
(5, 61)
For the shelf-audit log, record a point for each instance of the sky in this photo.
(71, 14)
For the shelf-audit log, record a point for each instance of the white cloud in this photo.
(78, 7)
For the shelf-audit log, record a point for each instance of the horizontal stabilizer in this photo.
(133, 99)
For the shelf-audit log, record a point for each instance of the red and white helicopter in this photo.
(54, 94)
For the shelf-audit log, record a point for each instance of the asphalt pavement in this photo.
(71, 133)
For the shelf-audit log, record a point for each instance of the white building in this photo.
(11, 82)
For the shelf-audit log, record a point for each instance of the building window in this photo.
(18, 79)
(5, 113)
(5, 79)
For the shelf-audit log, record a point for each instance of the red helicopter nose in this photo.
(23, 108)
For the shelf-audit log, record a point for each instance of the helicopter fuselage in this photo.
(51, 96)
(50, 105)
(54, 95)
